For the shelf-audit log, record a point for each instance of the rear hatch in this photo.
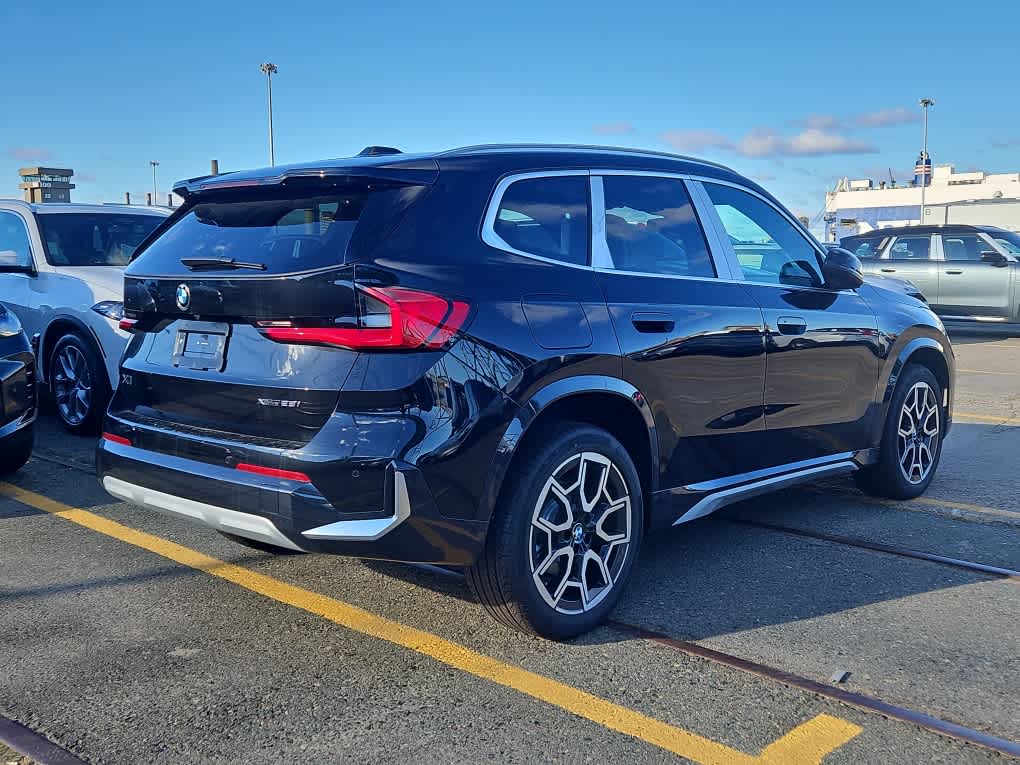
(247, 309)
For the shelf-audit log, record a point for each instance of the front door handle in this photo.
(791, 325)
(888, 270)
(954, 270)
(653, 323)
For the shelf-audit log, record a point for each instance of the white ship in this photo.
(858, 206)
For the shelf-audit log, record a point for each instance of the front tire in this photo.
(16, 449)
(78, 384)
(565, 534)
(912, 440)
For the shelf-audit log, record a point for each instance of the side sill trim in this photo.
(369, 529)
(220, 518)
(713, 502)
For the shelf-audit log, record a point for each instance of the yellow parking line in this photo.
(964, 506)
(810, 742)
(986, 418)
(987, 372)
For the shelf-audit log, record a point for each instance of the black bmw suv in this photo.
(511, 359)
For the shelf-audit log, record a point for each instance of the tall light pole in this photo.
(155, 164)
(269, 70)
(926, 103)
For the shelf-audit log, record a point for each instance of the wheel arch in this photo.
(57, 328)
(936, 355)
(602, 401)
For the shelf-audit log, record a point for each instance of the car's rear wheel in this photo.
(16, 449)
(912, 440)
(255, 544)
(78, 383)
(565, 534)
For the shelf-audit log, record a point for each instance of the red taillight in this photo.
(399, 318)
(290, 475)
(117, 439)
(127, 324)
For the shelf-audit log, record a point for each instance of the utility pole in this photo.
(269, 70)
(155, 164)
(926, 103)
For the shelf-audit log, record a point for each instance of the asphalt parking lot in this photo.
(131, 637)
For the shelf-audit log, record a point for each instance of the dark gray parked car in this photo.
(967, 273)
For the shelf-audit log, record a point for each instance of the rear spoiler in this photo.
(416, 171)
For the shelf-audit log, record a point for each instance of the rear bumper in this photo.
(292, 514)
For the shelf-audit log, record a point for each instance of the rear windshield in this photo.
(285, 233)
(94, 239)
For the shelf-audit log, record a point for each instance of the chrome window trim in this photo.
(491, 238)
(711, 225)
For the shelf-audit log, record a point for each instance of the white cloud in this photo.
(696, 140)
(29, 154)
(613, 128)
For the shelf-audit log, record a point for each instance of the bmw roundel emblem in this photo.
(183, 297)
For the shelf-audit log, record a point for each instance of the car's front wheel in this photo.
(912, 441)
(565, 535)
(78, 383)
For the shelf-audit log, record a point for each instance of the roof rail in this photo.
(481, 148)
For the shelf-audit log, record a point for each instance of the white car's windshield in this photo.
(94, 239)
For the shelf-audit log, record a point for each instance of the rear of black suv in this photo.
(286, 387)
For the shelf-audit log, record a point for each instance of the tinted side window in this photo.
(964, 247)
(768, 246)
(651, 227)
(911, 248)
(864, 247)
(546, 217)
(14, 247)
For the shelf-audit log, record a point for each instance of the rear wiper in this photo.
(199, 263)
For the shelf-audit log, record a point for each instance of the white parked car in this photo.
(61, 273)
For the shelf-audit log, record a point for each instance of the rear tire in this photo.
(261, 546)
(911, 441)
(16, 449)
(565, 534)
(78, 384)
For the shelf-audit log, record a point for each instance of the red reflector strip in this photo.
(117, 439)
(290, 475)
(127, 324)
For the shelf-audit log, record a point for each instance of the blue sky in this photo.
(795, 94)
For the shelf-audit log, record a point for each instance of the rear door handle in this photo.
(888, 270)
(652, 322)
(791, 325)
(954, 270)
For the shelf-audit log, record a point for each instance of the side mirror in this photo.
(994, 258)
(842, 270)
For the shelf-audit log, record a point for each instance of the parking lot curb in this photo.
(31, 744)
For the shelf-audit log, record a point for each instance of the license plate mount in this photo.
(201, 345)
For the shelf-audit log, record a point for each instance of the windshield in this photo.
(94, 239)
(1008, 240)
